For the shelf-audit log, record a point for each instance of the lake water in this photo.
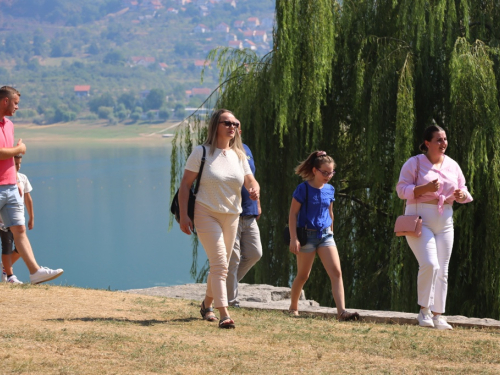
(101, 214)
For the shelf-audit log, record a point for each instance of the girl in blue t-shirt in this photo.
(312, 203)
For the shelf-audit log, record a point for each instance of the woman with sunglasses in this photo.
(312, 208)
(218, 204)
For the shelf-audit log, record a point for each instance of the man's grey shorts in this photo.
(11, 206)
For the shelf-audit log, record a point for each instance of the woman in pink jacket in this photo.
(430, 194)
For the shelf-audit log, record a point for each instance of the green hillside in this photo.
(139, 57)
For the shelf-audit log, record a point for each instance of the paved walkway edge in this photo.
(270, 298)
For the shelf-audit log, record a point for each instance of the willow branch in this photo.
(364, 204)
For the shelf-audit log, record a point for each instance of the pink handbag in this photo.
(409, 225)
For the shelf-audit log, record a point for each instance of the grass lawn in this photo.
(65, 330)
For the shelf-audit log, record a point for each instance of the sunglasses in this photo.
(228, 123)
(326, 174)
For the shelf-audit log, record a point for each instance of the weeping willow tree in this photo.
(362, 80)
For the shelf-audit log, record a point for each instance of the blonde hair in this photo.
(235, 144)
(314, 160)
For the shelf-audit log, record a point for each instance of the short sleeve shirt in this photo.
(317, 215)
(249, 206)
(24, 183)
(7, 166)
(221, 180)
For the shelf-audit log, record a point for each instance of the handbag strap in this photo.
(414, 181)
(307, 199)
(201, 171)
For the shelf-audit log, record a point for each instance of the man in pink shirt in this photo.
(11, 204)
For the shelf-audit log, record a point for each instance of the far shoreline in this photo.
(97, 133)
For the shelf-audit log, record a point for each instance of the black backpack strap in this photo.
(307, 197)
(201, 171)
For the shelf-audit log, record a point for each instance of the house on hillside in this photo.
(151, 4)
(248, 34)
(200, 64)
(204, 11)
(238, 24)
(230, 2)
(231, 37)
(200, 29)
(163, 66)
(82, 91)
(172, 11)
(142, 60)
(250, 45)
(222, 28)
(237, 44)
(204, 92)
(253, 22)
(260, 36)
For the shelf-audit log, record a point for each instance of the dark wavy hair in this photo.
(428, 135)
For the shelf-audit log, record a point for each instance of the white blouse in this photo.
(221, 180)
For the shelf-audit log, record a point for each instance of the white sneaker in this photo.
(14, 280)
(45, 274)
(440, 322)
(4, 274)
(425, 318)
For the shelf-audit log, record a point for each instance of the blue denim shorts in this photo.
(11, 206)
(313, 242)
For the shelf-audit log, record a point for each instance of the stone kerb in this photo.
(267, 297)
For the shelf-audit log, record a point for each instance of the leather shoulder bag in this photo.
(174, 207)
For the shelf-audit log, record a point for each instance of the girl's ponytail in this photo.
(315, 160)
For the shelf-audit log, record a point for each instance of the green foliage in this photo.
(164, 113)
(104, 100)
(114, 58)
(362, 80)
(128, 99)
(179, 112)
(155, 99)
(105, 112)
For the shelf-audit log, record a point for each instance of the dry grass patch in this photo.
(65, 330)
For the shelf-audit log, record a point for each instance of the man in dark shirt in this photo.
(247, 248)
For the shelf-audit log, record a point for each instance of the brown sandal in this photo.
(226, 322)
(347, 316)
(207, 313)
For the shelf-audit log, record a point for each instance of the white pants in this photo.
(433, 252)
(216, 232)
